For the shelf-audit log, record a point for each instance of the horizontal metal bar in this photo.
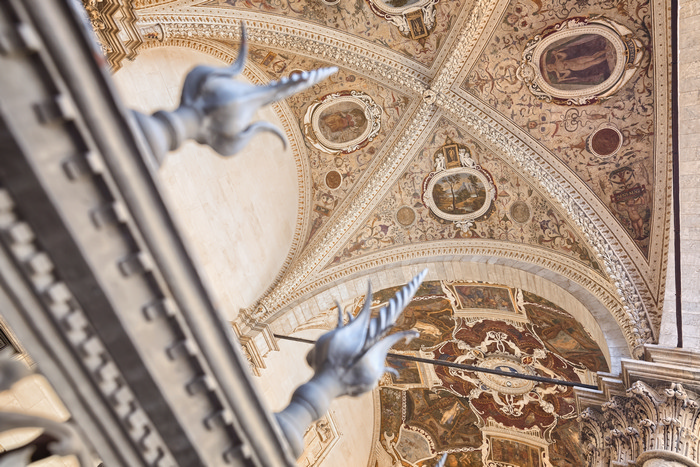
(539, 379)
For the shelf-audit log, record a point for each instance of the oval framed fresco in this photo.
(459, 194)
(342, 122)
(580, 61)
(605, 141)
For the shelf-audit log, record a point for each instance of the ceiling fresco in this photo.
(609, 141)
(336, 171)
(518, 213)
(478, 417)
(572, 160)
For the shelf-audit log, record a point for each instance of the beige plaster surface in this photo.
(689, 161)
(239, 213)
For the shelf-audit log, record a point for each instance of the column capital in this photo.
(650, 413)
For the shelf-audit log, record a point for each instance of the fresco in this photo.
(514, 453)
(560, 334)
(572, 62)
(463, 412)
(459, 193)
(485, 297)
(518, 213)
(359, 19)
(579, 62)
(343, 122)
(346, 168)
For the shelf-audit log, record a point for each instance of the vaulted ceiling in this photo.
(581, 182)
(526, 140)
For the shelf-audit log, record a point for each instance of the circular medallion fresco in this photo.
(333, 179)
(342, 122)
(459, 194)
(406, 216)
(519, 211)
(605, 141)
(580, 61)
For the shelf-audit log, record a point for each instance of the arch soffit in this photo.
(581, 303)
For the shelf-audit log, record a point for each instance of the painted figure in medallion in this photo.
(585, 60)
(342, 125)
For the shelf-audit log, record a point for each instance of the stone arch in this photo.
(587, 307)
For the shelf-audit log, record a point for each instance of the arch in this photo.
(592, 308)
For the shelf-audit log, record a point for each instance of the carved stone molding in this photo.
(114, 23)
(370, 63)
(20, 239)
(645, 420)
(257, 340)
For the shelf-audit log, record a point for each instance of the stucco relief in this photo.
(414, 18)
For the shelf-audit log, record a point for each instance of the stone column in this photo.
(647, 417)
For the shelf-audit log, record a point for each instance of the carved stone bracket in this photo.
(654, 421)
(256, 342)
(114, 23)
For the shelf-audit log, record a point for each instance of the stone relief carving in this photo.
(319, 439)
(664, 421)
(580, 61)
(115, 24)
(414, 18)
